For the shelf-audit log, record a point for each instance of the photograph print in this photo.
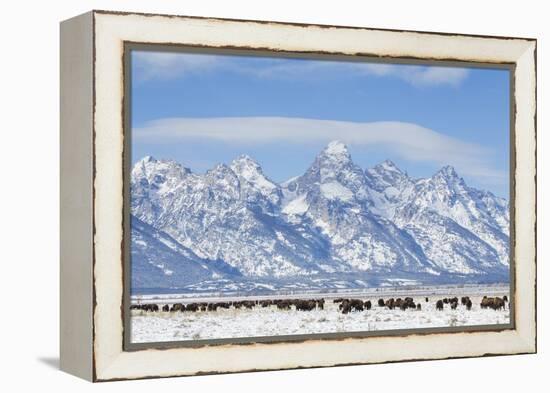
(288, 196)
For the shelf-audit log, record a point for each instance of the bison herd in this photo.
(399, 303)
(345, 305)
(281, 304)
(348, 305)
(495, 303)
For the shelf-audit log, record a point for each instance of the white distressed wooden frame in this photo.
(92, 143)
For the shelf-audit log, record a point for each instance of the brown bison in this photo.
(249, 304)
(495, 303)
(305, 305)
(345, 307)
(349, 305)
(321, 304)
(177, 307)
(283, 304)
(408, 302)
(150, 307)
(439, 305)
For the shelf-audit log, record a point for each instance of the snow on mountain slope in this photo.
(332, 221)
(338, 199)
(255, 186)
(223, 215)
(389, 186)
(448, 195)
(158, 261)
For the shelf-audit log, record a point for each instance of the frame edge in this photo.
(526, 342)
(76, 203)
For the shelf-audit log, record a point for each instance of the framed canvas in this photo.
(247, 195)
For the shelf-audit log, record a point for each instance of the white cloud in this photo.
(413, 74)
(170, 65)
(405, 140)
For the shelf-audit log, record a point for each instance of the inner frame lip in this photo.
(170, 47)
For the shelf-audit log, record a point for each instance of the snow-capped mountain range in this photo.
(337, 226)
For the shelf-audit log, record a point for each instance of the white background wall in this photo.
(29, 194)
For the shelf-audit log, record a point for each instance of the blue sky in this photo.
(201, 109)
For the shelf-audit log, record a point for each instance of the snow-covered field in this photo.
(233, 323)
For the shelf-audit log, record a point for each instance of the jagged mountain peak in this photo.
(222, 175)
(336, 147)
(248, 169)
(447, 172)
(244, 164)
(386, 169)
(335, 154)
(245, 159)
(253, 180)
(447, 181)
(158, 171)
(147, 159)
(335, 157)
(388, 165)
(335, 175)
(386, 177)
(153, 163)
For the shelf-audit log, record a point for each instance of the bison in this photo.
(345, 307)
(305, 305)
(177, 307)
(283, 304)
(495, 303)
(249, 304)
(321, 304)
(439, 305)
(349, 305)
(150, 307)
(408, 303)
